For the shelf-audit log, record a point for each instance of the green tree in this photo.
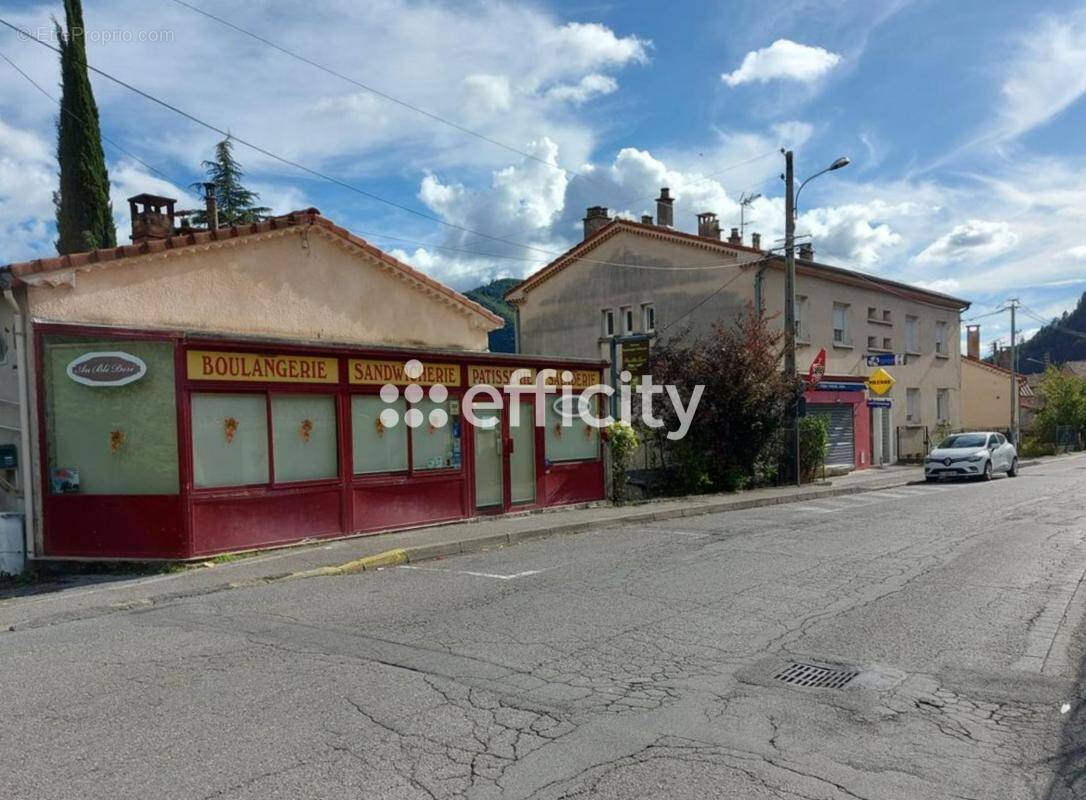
(1064, 398)
(742, 407)
(236, 204)
(84, 214)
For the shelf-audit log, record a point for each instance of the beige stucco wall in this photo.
(986, 401)
(284, 286)
(564, 315)
(9, 404)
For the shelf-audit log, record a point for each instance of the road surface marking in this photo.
(493, 575)
(816, 508)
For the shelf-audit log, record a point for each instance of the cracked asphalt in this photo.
(634, 662)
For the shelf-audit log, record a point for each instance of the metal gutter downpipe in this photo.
(24, 424)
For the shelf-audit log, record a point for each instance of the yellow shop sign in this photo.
(211, 365)
(370, 372)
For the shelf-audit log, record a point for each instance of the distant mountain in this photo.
(492, 297)
(1054, 343)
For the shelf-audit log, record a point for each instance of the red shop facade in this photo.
(165, 445)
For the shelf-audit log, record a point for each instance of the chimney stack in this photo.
(735, 237)
(708, 225)
(972, 342)
(152, 217)
(665, 214)
(595, 219)
(806, 251)
(646, 219)
(212, 206)
(756, 241)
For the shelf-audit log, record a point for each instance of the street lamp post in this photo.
(791, 198)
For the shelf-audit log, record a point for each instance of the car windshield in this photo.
(965, 440)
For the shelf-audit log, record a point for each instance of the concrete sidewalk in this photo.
(91, 595)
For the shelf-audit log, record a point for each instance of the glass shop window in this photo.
(229, 439)
(435, 444)
(304, 437)
(568, 437)
(378, 447)
(110, 416)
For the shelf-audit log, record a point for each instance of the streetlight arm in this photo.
(795, 204)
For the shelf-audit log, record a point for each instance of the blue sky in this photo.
(963, 121)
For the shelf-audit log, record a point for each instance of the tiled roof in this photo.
(39, 270)
(811, 268)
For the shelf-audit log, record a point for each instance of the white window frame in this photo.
(912, 406)
(648, 317)
(626, 319)
(942, 405)
(802, 334)
(912, 334)
(846, 338)
(608, 323)
(942, 349)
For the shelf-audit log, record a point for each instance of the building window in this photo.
(940, 339)
(109, 439)
(434, 446)
(568, 437)
(840, 324)
(887, 344)
(872, 343)
(912, 405)
(873, 313)
(648, 317)
(229, 439)
(626, 313)
(802, 333)
(942, 405)
(608, 322)
(377, 447)
(912, 335)
(304, 437)
(887, 317)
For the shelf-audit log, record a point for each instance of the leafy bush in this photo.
(1034, 446)
(814, 440)
(622, 440)
(744, 402)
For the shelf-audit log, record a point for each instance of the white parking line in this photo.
(492, 575)
(816, 508)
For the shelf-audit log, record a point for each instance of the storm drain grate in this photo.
(812, 676)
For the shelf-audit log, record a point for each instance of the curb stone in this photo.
(429, 552)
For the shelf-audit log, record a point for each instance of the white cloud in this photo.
(854, 233)
(783, 60)
(1078, 252)
(944, 285)
(1047, 73)
(588, 87)
(580, 46)
(489, 93)
(792, 134)
(975, 239)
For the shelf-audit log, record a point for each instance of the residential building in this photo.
(583, 300)
(986, 391)
(204, 391)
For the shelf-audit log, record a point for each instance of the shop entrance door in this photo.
(522, 455)
(489, 478)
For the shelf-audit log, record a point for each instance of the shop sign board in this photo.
(880, 381)
(112, 368)
(886, 403)
(635, 357)
(372, 372)
(213, 365)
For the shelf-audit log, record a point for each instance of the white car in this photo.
(972, 455)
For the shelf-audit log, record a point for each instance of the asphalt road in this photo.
(625, 663)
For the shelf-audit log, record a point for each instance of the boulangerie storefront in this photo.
(214, 391)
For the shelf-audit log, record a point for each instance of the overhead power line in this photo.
(351, 187)
(377, 92)
(76, 117)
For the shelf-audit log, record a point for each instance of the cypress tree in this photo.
(236, 204)
(84, 214)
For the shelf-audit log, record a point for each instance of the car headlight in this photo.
(976, 458)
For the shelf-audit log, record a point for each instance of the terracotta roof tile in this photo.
(181, 240)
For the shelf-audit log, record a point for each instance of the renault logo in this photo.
(946, 461)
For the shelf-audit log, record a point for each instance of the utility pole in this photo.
(1013, 303)
(790, 308)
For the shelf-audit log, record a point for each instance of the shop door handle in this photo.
(510, 446)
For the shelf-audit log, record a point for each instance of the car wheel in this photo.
(987, 471)
(1013, 471)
